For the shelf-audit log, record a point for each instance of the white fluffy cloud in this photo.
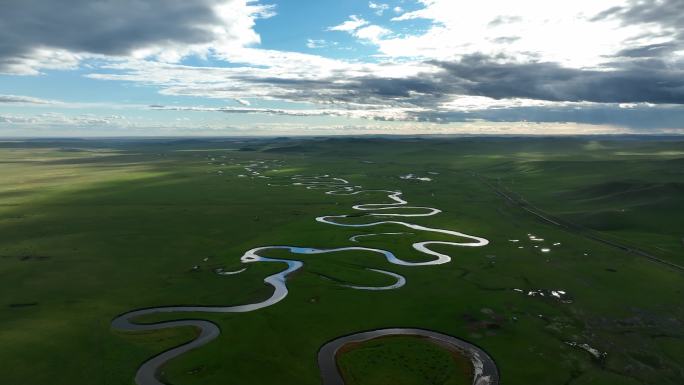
(362, 29)
(316, 43)
(350, 25)
(379, 8)
(564, 32)
(371, 33)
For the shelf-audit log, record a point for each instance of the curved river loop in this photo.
(485, 371)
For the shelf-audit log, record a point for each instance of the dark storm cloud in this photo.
(113, 27)
(648, 81)
(651, 50)
(667, 13)
(637, 81)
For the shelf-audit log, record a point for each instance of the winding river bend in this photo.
(147, 373)
(484, 369)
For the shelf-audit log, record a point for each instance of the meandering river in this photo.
(485, 369)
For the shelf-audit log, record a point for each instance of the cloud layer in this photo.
(610, 62)
(49, 34)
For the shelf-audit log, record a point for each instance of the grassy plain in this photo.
(403, 361)
(92, 229)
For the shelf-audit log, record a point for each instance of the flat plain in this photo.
(581, 282)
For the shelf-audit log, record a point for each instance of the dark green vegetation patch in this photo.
(403, 361)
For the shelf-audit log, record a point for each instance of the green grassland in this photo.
(93, 229)
(403, 361)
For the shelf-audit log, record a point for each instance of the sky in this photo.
(340, 67)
